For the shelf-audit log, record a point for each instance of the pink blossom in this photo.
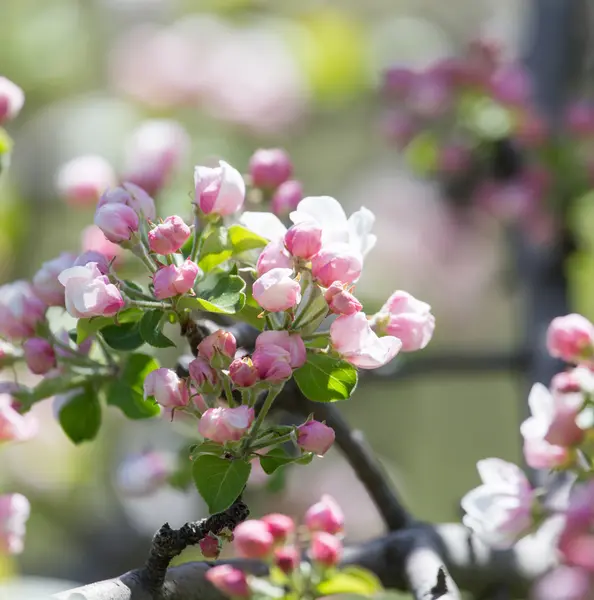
(118, 222)
(511, 85)
(21, 310)
(397, 81)
(563, 582)
(229, 580)
(221, 341)
(45, 281)
(203, 375)
(169, 236)
(304, 240)
(273, 256)
(15, 427)
(270, 168)
(276, 290)
(273, 363)
(575, 380)
(12, 99)
(167, 388)
(172, 280)
(89, 293)
(500, 510)
(14, 513)
(340, 301)
(286, 197)
(406, 318)
(210, 546)
(219, 191)
(429, 95)
(243, 373)
(291, 342)
(93, 240)
(143, 474)
(226, 424)
(133, 196)
(39, 355)
(96, 257)
(287, 559)
(353, 338)
(252, 539)
(315, 437)
(280, 526)
(325, 549)
(82, 180)
(571, 338)
(325, 515)
(336, 262)
(576, 546)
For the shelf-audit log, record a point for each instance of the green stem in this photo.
(140, 251)
(273, 392)
(75, 356)
(272, 440)
(198, 240)
(228, 392)
(151, 304)
(316, 335)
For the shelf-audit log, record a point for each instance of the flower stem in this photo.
(151, 304)
(316, 335)
(272, 440)
(273, 392)
(198, 240)
(228, 392)
(140, 251)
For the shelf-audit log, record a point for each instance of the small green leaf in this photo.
(351, 580)
(215, 249)
(206, 448)
(326, 379)
(123, 337)
(243, 239)
(88, 327)
(277, 481)
(80, 417)
(220, 292)
(151, 325)
(422, 153)
(127, 392)
(274, 459)
(220, 481)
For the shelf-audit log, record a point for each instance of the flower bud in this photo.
(252, 539)
(325, 515)
(168, 237)
(315, 437)
(276, 290)
(39, 355)
(133, 196)
(273, 363)
(219, 191)
(82, 180)
(325, 549)
(340, 301)
(229, 580)
(286, 197)
(118, 222)
(21, 310)
(12, 99)
(93, 240)
(15, 427)
(210, 546)
(167, 388)
(304, 240)
(243, 373)
(273, 256)
(287, 559)
(336, 262)
(143, 474)
(220, 341)
(571, 338)
(96, 257)
(203, 375)
(226, 424)
(14, 513)
(269, 168)
(45, 281)
(172, 280)
(291, 342)
(280, 526)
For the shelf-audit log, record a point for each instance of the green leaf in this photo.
(422, 153)
(326, 379)
(80, 417)
(216, 248)
(243, 239)
(351, 580)
(220, 481)
(277, 481)
(274, 459)
(124, 337)
(220, 292)
(206, 447)
(249, 313)
(127, 392)
(88, 327)
(151, 325)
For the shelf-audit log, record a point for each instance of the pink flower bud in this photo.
(226, 424)
(315, 437)
(169, 236)
(511, 85)
(229, 580)
(304, 240)
(133, 196)
(45, 282)
(89, 293)
(14, 513)
(569, 583)
(15, 427)
(219, 191)
(575, 380)
(291, 342)
(12, 99)
(270, 168)
(429, 96)
(280, 526)
(172, 280)
(118, 222)
(580, 119)
(39, 355)
(252, 539)
(93, 240)
(571, 338)
(340, 301)
(273, 363)
(82, 180)
(325, 515)
(406, 318)
(325, 549)
(21, 310)
(539, 454)
(287, 559)
(286, 197)
(203, 375)
(167, 388)
(397, 81)
(276, 290)
(143, 474)
(243, 373)
(353, 338)
(273, 256)
(210, 546)
(220, 341)
(336, 262)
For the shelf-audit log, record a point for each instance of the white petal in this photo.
(325, 210)
(265, 224)
(360, 225)
(378, 353)
(500, 473)
(480, 501)
(541, 402)
(81, 273)
(533, 428)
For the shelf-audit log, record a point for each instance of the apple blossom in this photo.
(14, 513)
(21, 310)
(143, 474)
(280, 526)
(221, 341)
(325, 515)
(93, 256)
(429, 95)
(511, 85)
(172, 280)
(12, 99)
(45, 281)
(500, 510)
(291, 342)
(203, 375)
(269, 168)
(325, 549)
(93, 240)
(226, 424)
(252, 539)
(243, 373)
(571, 338)
(89, 293)
(287, 559)
(168, 237)
(210, 546)
(229, 580)
(304, 240)
(219, 190)
(118, 222)
(15, 427)
(564, 582)
(39, 355)
(273, 256)
(340, 301)
(352, 337)
(133, 196)
(286, 197)
(273, 363)
(315, 437)
(336, 262)
(82, 180)
(167, 388)
(276, 290)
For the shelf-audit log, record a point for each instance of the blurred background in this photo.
(239, 75)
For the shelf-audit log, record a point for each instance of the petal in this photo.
(81, 273)
(325, 210)
(204, 176)
(266, 224)
(500, 473)
(360, 224)
(540, 400)
(378, 353)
